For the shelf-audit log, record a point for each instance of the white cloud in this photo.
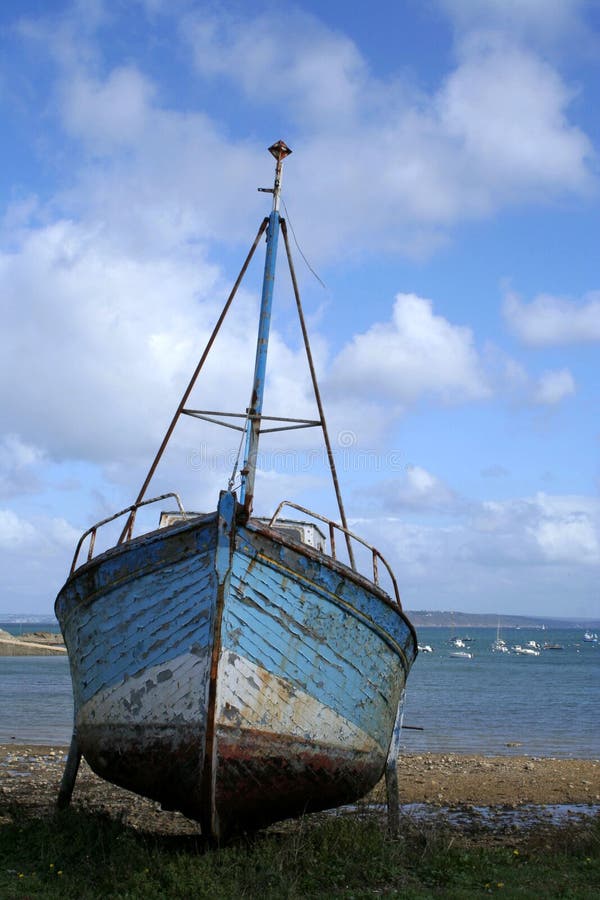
(67, 35)
(290, 57)
(521, 388)
(18, 462)
(506, 108)
(417, 490)
(35, 553)
(553, 387)
(417, 354)
(540, 529)
(571, 541)
(107, 113)
(495, 133)
(557, 28)
(513, 555)
(534, 19)
(14, 453)
(180, 180)
(106, 341)
(528, 532)
(97, 340)
(549, 320)
(14, 531)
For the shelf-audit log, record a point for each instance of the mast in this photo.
(279, 150)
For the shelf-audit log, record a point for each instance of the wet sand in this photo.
(30, 776)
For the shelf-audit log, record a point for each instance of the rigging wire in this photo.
(237, 459)
(287, 215)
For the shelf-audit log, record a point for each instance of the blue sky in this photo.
(444, 185)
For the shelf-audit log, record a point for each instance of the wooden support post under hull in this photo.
(391, 772)
(70, 774)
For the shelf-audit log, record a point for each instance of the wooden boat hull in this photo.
(232, 674)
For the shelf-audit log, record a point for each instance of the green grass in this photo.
(84, 855)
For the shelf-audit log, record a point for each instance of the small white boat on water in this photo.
(525, 651)
(425, 648)
(590, 636)
(461, 654)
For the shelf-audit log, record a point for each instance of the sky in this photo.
(443, 199)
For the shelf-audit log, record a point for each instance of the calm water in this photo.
(547, 705)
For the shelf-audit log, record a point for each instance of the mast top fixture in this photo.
(279, 150)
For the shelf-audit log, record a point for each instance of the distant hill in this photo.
(28, 618)
(423, 618)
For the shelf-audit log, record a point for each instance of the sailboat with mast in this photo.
(237, 669)
(499, 645)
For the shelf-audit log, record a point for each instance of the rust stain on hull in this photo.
(264, 777)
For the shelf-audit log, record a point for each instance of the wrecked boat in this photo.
(236, 669)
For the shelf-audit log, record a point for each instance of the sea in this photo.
(491, 704)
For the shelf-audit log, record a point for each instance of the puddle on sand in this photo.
(492, 817)
(499, 817)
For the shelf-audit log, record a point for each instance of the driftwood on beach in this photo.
(37, 643)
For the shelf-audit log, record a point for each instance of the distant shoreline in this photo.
(459, 621)
(421, 618)
(35, 643)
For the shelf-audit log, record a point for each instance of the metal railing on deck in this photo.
(132, 510)
(333, 527)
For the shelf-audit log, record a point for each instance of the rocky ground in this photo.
(35, 643)
(30, 776)
(488, 781)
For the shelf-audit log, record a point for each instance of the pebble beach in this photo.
(30, 777)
